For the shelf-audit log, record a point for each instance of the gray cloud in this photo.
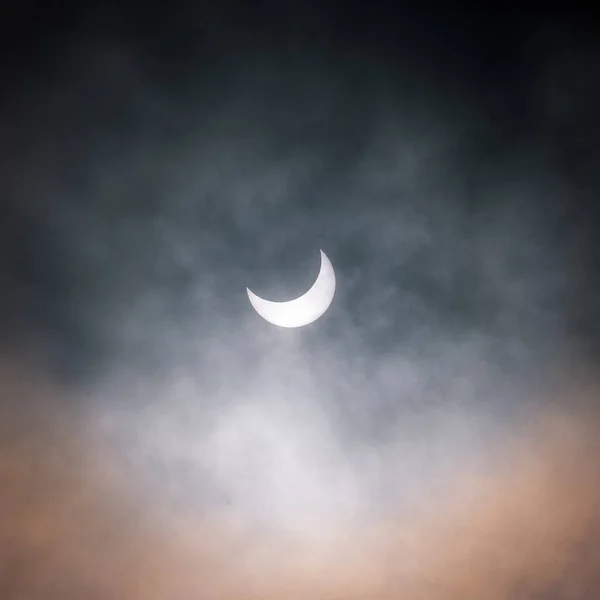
(160, 204)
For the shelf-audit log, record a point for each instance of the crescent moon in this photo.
(303, 310)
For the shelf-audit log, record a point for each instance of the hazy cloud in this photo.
(184, 429)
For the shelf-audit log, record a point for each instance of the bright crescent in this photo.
(303, 310)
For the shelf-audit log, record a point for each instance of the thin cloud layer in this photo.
(162, 441)
(521, 520)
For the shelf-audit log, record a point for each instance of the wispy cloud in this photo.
(395, 420)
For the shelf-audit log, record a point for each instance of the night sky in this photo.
(434, 435)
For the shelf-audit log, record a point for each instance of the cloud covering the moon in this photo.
(160, 441)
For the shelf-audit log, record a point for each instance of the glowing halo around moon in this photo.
(303, 310)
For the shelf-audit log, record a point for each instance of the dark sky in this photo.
(250, 137)
(156, 160)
